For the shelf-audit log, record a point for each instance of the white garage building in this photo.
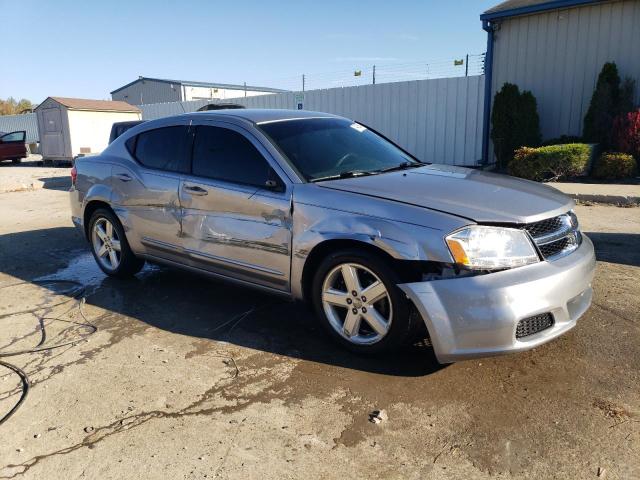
(147, 90)
(74, 126)
(556, 50)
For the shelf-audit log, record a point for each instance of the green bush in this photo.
(514, 122)
(613, 165)
(553, 162)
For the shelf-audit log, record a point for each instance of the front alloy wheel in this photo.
(356, 297)
(357, 304)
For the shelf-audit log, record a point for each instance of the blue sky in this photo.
(88, 48)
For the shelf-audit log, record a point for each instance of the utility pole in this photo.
(245, 89)
(466, 66)
(374, 74)
(303, 82)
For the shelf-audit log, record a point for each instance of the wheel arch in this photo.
(89, 210)
(326, 247)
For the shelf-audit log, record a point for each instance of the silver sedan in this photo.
(316, 207)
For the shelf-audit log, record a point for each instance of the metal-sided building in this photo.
(556, 49)
(147, 90)
(74, 126)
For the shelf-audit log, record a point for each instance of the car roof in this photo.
(260, 115)
(129, 122)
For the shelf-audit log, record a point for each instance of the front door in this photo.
(145, 192)
(234, 223)
(12, 145)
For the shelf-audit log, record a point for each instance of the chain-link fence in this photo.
(465, 65)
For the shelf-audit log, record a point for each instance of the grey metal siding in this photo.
(438, 120)
(558, 55)
(27, 122)
(149, 91)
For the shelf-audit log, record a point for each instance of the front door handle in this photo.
(195, 190)
(123, 177)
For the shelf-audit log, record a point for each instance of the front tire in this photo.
(110, 247)
(355, 295)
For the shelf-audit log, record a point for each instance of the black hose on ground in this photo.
(77, 289)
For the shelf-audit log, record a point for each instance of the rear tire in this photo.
(379, 323)
(110, 247)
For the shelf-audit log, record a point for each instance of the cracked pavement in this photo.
(191, 378)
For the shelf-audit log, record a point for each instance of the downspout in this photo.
(488, 27)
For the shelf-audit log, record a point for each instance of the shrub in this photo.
(609, 100)
(614, 165)
(604, 105)
(625, 136)
(514, 122)
(553, 162)
(562, 140)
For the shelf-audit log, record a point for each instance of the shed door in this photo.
(53, 144)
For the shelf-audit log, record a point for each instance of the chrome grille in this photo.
(556, 236)
(535, 324)
(545, 227)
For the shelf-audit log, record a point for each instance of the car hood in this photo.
(473, 194)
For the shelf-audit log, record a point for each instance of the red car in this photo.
(12, 146)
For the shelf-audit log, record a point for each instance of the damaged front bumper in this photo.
(477, 316)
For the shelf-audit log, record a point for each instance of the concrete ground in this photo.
(29, 175)
(190, 378)
(611, 193)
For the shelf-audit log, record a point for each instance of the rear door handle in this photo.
(195, 190)
(123, 177)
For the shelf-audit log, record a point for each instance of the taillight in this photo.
(74, 176)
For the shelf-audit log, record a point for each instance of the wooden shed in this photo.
(70, 127)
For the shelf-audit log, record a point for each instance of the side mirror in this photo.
(273, 182)
(274, 185)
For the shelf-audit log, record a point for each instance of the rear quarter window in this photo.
(161, 149)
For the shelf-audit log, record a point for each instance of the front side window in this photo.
(323, 148)
(162, 148)
(224, 154)
(14, 137)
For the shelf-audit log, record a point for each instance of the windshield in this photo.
(327, 148)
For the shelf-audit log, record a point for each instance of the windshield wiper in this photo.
(402, 166)
(347, 174)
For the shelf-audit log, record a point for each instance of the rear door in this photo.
(233, 223)
(145, 192)
(12, 145)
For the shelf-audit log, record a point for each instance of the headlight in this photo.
(489, 248)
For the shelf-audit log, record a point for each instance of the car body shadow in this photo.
(56, 183)
(199, 307)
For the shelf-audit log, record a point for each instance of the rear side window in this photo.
(163, 148)
(226, 155)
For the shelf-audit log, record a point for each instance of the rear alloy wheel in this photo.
(355, 294)
(106, 244)
(110, 247)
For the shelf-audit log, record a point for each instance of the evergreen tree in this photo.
(604, 106)
(514, 122)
